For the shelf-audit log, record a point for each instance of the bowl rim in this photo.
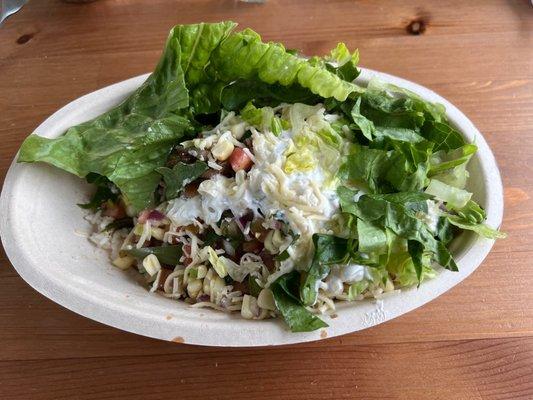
(236, 332)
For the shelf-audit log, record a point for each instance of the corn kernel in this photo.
(249, 308)
(158, 233)
(177, 285)
(201, 271)
(123, 262)
(151, 264)
(138, 230)
(266, 300)
(222, 150)
(194, 287)
(238, 130)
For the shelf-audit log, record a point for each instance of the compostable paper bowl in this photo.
(44, 235)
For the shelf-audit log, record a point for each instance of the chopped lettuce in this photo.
(264, 118)
(450, 167)
(479, 228)
(105, 191)
(404, 271)
(328, 250)
(397, 212)
(285, 290)
(470, 217)
(454, 197)
(372, 239)
(179, 176)
(343, 63)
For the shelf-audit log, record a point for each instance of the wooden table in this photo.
(474, 342)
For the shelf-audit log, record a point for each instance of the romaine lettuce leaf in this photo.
(443, 135)
(285, 291)
(471, 217)
(397, 212)
(402, 267)
(452, 196)
(263, 118)
(328, 249)
(343, 63)
(453, 159)
(363, 123)
(368, 166)
(480, 228)
(372, 239)
(127, 143)
(405, 106)
(403, 169)
(398, 134)
(105, 191)
(242, 56)
(179, 176)
(235, 95)
(450, 167)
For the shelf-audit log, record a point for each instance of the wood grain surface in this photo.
(474, 342)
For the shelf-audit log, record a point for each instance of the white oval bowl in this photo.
(43, 230)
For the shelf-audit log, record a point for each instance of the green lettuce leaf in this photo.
(450, 167)
(391, 98)
(363, 123)
(285, 290)
(481, 229)
(398, 134)
(471, 217)
(372, 239)
(452, 196)
(366, 165)
(235, 95)
(453, 159)
(404, 168)
(397, 212)
(328, 249)
(402, 267)
(244, 56)
(105, 190)
(343, 63)
(127, 143)
(408, 165)
(179, 176)
(263, 118)
(443, 135)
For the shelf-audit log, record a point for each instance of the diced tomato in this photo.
(240, 160)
